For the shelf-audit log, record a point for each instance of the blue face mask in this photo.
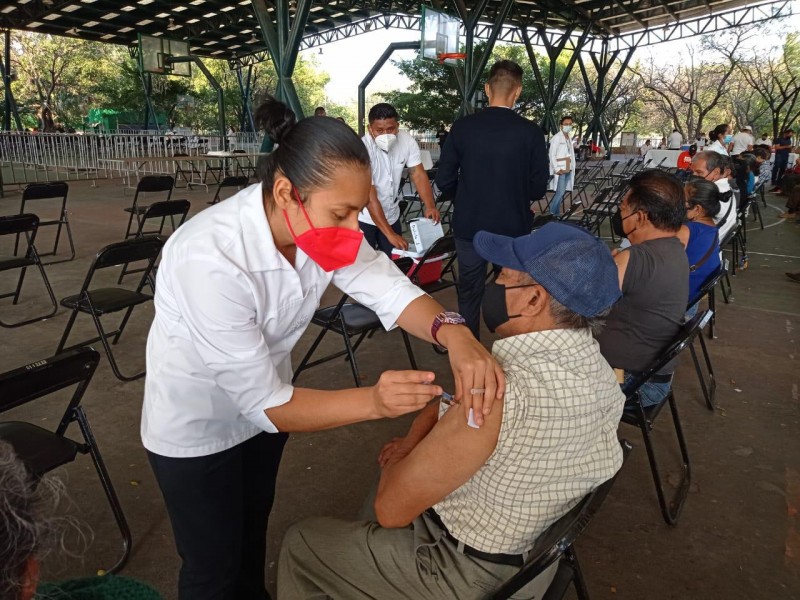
(728, 138)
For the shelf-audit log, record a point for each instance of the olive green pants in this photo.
(344, 560)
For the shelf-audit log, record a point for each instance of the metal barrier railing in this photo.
(33, 157)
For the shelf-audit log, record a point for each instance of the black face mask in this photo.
(495, 311)
(616, 224)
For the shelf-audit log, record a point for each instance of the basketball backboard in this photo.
(153, 50)
(440, 35)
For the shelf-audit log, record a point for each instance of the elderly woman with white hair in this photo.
(29, 530)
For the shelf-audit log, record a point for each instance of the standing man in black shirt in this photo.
(782, 147)
(496, 163)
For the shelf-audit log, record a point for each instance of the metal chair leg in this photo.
(580, 583)
(122, 325)
(108, 488)
(351, 355)
(18, 290)
(670, 511)
(708, 389)
(302, 366)
(68, 328)
(104, 340)
(409, 350)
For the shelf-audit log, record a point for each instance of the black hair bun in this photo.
(275, 118)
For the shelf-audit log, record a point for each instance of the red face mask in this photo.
(331, 248)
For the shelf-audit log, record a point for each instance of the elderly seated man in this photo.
(653, 277)
(716, 167)
(457, 507)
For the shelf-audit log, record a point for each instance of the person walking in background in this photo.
(496, 163)
(562, 165)
(644, 149)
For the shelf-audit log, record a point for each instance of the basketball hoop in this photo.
(451, 56)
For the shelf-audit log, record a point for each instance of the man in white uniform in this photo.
(390, 151)
(562, 165)
(675, 140)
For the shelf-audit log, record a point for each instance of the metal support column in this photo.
(362, 87)
(600, 95)
(217, 88)
(147, 86)
(473, 69)
(283, 41)
(5, 72)
(552, 91)
(246, 120)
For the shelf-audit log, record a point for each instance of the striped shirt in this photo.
(557, 442)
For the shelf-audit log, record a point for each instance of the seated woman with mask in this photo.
(699, 234)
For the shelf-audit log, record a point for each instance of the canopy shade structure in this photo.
(229, 29)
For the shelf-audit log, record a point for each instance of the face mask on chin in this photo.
(385, 141)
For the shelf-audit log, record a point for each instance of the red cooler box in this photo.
(432, 269)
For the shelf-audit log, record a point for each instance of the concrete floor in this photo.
(738, 538)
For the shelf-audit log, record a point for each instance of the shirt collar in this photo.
(260, 250)
(518, 348)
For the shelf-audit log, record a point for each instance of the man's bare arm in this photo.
(444, 460)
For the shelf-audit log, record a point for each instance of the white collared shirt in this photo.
(387, 170)
(229, 310)
(741, 141)
(675, 141)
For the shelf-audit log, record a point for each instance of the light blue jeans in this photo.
(650, 393)
(561, 189)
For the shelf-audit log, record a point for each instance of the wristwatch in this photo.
(445, 318)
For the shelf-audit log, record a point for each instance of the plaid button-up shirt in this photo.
(557, 442)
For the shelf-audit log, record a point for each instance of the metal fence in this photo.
(31, 157)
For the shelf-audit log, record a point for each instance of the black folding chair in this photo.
(557, 544)
(27, 226)
(350, 320)
(238, 182)
(174, 209)
(147, 184)
(98, 302)
(57, 190)
(215, 170)
(192, 170)
(644, 417)
(601, 208)
(42, 450)
(244, 165)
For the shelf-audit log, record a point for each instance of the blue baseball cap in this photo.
(573, 266)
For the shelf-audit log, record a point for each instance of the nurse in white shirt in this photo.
(562, 165)
(720, 137)
(236, 288)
